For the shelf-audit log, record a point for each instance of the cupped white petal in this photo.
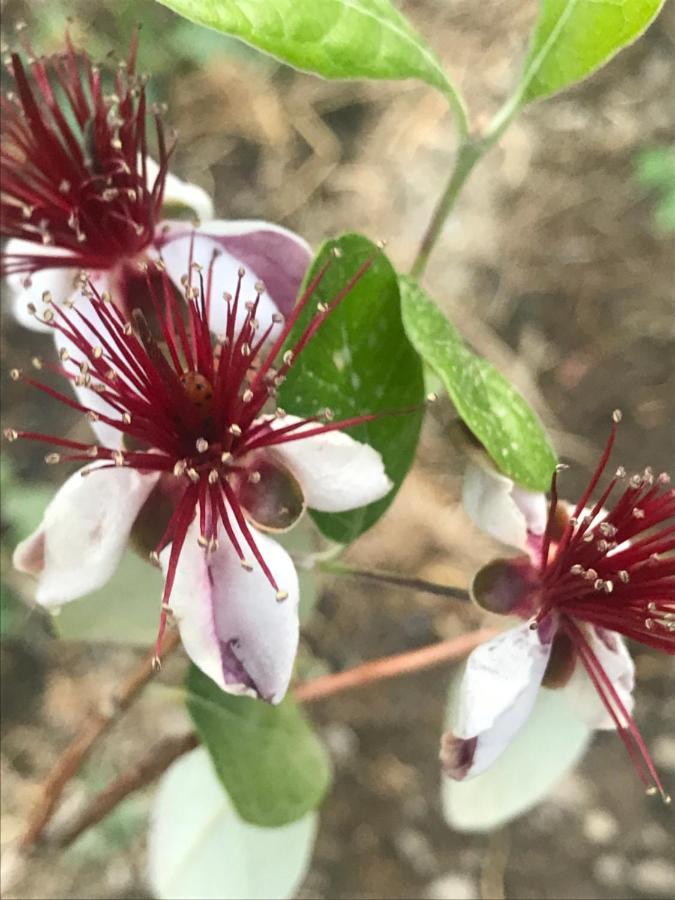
(580, 693)
(501, 508)
(498, 692)
(181, 193)
(269, 254)
(25, 289)
(547, 746)
(336, 472)
(84, 532)
(231, 623)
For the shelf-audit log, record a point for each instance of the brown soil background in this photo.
(552, 267)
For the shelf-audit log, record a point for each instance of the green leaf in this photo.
(573, 38)
(199, 847)
(267, 757)
(488, 405)
(332, 38)
(549, 744)
(359, 361)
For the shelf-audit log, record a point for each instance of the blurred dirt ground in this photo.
(553, 268)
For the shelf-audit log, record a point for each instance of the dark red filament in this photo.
(613, 569)
(74, 163)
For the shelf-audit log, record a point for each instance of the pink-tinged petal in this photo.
(83, 533)
(181, 193)
(105, 434)
(335, 472)
(580, 693)
(26, 289)
(231, 623)
(498, 692)
(501, 508)
(272, 255)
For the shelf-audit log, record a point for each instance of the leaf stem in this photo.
(470, 151)
(468, 154)
(164, 754)
(335, 567)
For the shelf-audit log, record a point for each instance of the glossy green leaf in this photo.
(486, 402)
(359, 361)
(332, 38)
(549, 744)
(573, 38)
(199, 846)
(268, 758)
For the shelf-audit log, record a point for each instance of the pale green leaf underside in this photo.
(268, 758)
(572, 38)
(199, 847)
(332, 38)
(487, 404)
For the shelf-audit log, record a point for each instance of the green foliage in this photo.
(268, 758)
(488, 405)
(332, 38)
(655, 169)
(360, 361)
(573, 38)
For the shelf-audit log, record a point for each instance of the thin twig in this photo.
(150, 767)
(402, 581)
(161, 757)
(392, 666)
(72, 758)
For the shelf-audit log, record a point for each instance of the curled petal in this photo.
(231, 623)
(501, 508)
(546, 747)
(336, 472)
(83, 533)
(31, 289)
(580, 693)
(269, 254)
(499, 688)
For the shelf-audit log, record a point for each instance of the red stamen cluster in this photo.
(194, 408)
(74, 163)
(614, 569)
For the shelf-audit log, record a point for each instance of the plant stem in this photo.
(392, 666)
(162, 756)
(414, 584)
(72, 758)
(468, 154)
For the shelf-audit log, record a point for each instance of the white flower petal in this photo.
(83, 533)
(231, 623)
(269, 254)
(579, 692)
(546, 747)
(59, 282)
(336, 472)
(501, 508)
(498, 692)
(181, 193)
